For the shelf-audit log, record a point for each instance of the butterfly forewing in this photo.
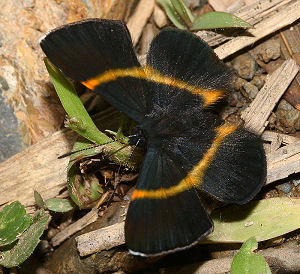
(99, 54)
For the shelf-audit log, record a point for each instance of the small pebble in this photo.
(258, 81)
(249, 91)
(236, 99)
(245, 66)
(238, 83)
(296, 182)
(272, 120)
(286, 188)
(3, 84)
(288, 118)
(271, 194)
(269, 50)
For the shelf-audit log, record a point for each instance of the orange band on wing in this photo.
(195, 176)
(150, 74)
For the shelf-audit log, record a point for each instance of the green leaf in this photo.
(79, 119)
(245, 261)
(26, 243)
(264, 219)
(172, 14)
(13, 222)
(59, 205)
(183, 12)
(39, 199)
(218, 20)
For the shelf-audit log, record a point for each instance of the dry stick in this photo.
(37, 167)
(139, 19)
(256, 115)
(281, 15)
(101, 239)
(253, 14)
(289, 165)
(271, 136)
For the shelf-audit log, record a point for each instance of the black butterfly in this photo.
(189, 149)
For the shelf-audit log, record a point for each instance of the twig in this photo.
(271, 136)
(139, 19)
(256, 115)
(87, 219)
(101, 239)
(266, 17)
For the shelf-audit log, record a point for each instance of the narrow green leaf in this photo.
(13, 222)
(59, 205)
(245, 261)
(183, 11)
(26, 243)
(264, 219)
(172, 14)
(79, 119)
(218, 20)
(39, 199)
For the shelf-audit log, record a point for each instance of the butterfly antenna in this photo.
(93, 146)
(115, 188)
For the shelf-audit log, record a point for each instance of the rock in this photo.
(288, 118)
(286, 188)
(11, 142)
(296, 182)
(236, 99)
(239, 83)
(249, 90)
(269, 50)
(30, 92)
(258, 80)
(245, 66)
(271, 66)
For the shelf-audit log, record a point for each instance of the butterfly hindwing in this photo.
(99, 54)
(224, 160)
(238, 170)
(156, 226)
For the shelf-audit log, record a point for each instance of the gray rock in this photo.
(11, 142)
(286, 188)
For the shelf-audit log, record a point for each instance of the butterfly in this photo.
(189, 149)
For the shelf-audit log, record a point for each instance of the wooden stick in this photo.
(271, 136)
(266, 17)
(256, 115)
(37, 167)
(283, 162)
(139, 19)
(87, 219)
(101, 239)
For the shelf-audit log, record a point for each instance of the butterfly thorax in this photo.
(139, 138)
